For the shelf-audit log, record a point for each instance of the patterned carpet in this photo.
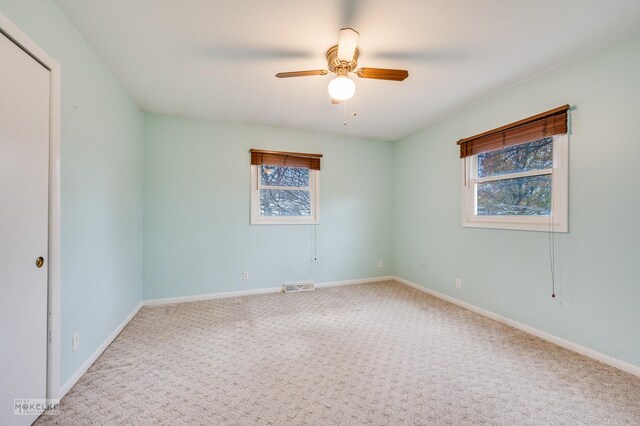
(379, 353)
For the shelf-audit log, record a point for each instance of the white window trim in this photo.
(257, 219)
(556, 222)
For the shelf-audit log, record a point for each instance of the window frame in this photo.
(256, 186)
(557, 221)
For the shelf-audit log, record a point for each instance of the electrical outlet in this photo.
(458, 283)
(245, 275)
(75, 341)
(380, 264)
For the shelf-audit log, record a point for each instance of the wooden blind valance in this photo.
(553, 122)
(289, 159)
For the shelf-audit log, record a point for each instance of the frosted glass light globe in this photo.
(342, 88)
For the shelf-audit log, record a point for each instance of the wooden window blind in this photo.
(550, 123)
(289, 159)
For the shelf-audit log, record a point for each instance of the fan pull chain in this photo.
(354, 105)
(344, 115)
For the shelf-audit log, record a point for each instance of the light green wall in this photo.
(507, 272)
(101, 184)
(198, 239)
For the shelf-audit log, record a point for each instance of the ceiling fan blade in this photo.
(383, 74)
(301, 73)
(347, 44)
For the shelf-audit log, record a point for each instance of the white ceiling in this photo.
(217, 59)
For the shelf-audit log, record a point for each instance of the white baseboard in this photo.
(598, 356)
(358, 281)
(209, 296)
(94, 356)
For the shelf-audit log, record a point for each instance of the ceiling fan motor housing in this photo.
(340, 67)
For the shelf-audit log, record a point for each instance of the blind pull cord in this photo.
(355, 105)
(552, 248)
(314, 242)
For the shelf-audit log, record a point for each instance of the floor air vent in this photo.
(297, 287)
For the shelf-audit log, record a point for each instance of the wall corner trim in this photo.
(566, 344)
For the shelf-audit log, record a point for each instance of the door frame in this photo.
(11, 31)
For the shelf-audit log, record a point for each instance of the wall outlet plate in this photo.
(458, 283)
(380, 264)
(75, 341)
(245, 275)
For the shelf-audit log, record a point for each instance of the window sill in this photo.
(283, 221)
(518, 224)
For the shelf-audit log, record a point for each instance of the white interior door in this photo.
(24, 195)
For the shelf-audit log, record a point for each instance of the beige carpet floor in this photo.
(379, 353)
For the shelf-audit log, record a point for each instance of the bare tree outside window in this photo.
(284, 176)
(524, 195)
(284, 191)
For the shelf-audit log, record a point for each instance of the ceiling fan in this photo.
(342, 59)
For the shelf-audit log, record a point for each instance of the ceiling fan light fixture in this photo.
(342, 88)
(342, 59)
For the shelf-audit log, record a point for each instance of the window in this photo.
(284, 188)
(521, 185)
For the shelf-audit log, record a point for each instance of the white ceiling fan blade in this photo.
(347, 44)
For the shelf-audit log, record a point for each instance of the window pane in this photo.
(522, 196)
(284, 176)
(536, 155)
(277, 202)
